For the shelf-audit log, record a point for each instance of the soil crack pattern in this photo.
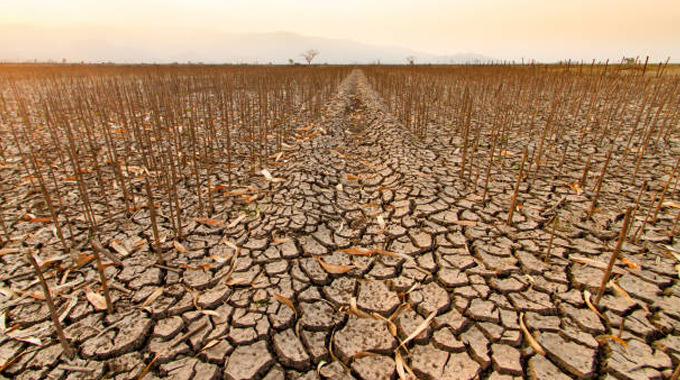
(364, 256)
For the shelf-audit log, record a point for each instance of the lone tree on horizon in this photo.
(309, 55)
(411, 60)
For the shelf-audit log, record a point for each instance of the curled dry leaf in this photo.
(333, 268)
(212, 313)
(267, 174)
(419, 329)
(630, 263)
(400, 366)
(286, 301)
(205, 266)
(586, 297)
(355, 310)
(530, 338)
(179, 247)
(153, 296)
(319, 366)
(622, 293)
(96, 299)
(576, 186)
(603, 338)
(595, 264)
(40, 220)
(356, 251)
(390, 325)
(209, 345)
(209, 222)
(362, 354)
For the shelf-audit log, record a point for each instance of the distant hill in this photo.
(93, 44)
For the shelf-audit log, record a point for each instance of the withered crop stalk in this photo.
(513, 203)
(66, 346)
(546, 257)
(614, 256)
(96, 249)
(156, 244)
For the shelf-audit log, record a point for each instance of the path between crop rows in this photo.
(366, 225)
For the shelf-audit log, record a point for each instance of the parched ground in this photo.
(365, 237)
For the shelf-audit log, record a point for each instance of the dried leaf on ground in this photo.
(355, 310)
(153, 296)
(209, 222)
(576, 186)
(390, 325)
(267, 174)
(603, 338)
(96, 299)
(419, 329)
(40, 220)
(205, 266)
(530, 338)
(586, 297)
(621, 292)
(179, 247)
(595, 264)
(286, 301)
(356, 251)
(333, 268)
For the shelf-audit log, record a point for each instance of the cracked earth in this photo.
(367, 258)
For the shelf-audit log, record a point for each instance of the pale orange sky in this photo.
(543, 29)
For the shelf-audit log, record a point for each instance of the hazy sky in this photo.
(505, 29)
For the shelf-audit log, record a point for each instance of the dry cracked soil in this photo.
(367, 239)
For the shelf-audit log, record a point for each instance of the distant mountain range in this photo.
(93, 44)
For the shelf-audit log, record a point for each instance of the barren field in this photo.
(329, 222)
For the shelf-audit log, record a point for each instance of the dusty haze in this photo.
(344, 31)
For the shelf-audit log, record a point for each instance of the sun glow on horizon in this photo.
(545, 30)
